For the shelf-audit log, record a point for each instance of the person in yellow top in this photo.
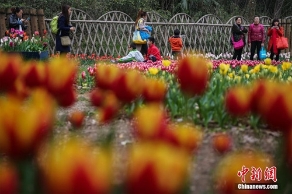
(176, 44)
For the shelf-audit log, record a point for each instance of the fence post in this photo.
(2, 22)
(8, 13)
(34, 20)
(41, 21)
(26, 14)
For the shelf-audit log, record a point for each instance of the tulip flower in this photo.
(153, 70)
(154, 90)
(238, 101)
(193, 75)
(242, 167)
(96, 97)
(273, 104)
(186, 136)
(60, 75)
(9, 70)
(244, 68)
(286, 66)
(128, 86)
(76, 118)
(222, 142)
(106, 76)
(67, 97)
(109, 108)
(150, 122)
(8, 179)
(34, 74)
(24, 125)
(149, 168)
(74, 167)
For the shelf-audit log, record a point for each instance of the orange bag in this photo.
(282, 43)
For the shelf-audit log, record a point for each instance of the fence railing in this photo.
(112, 32)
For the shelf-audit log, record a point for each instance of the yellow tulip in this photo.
(153, 70)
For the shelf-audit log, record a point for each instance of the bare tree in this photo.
(278, 8)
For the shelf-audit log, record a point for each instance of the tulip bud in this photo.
(222, 143)
(96, 97)
(76, 118)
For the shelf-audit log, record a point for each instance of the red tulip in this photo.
(192, 74)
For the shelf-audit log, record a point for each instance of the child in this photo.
(176, 43)
(134, 55)
(153, 52)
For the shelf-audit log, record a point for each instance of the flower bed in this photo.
(157, 102)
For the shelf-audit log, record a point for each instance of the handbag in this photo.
(237, 45)
(65, 41)
(263, 53)
(137, 38)
(282, 43)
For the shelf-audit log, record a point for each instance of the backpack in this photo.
(54, 25)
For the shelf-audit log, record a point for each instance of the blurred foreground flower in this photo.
(8, 179)
(273, 103)
(25, 124)
(185, 136)
(150, 122)
(149, 168)
(243, 167)
(74, 167)
(9, 70)
(129, 85)
(192, 74)
(109, 108)
(238, 101)
(154, 90)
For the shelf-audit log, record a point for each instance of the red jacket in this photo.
(256, 33)
(175, 43)
(273, 33)
(153, 50)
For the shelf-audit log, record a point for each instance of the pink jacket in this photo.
(256, 33)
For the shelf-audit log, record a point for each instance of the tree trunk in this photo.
(278, 8)
(251, 11)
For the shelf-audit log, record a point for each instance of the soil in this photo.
(205, 159)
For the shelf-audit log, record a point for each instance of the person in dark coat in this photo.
(16, 21)
(238, 32)
(64, 28)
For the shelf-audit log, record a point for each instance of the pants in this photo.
(237, 54)
(144, 49)
(255, 45)
(277, 55)
(176, 54)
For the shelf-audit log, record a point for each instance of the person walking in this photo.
(64, 29)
